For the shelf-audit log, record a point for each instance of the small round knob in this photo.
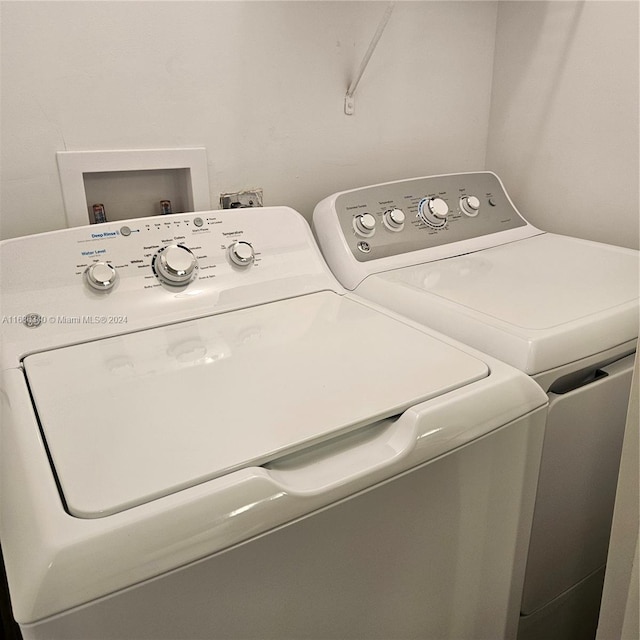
(365, 224)
(241, 254)
(470, 205)
(394, 219)
(101, 276)
(175, 265)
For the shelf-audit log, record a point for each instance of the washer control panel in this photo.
(171, 252)
(88, 282)
(398, 217)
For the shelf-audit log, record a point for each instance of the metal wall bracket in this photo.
(349, 103)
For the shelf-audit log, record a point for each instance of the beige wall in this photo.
(260, 84)
(563, 130)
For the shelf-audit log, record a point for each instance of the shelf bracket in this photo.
(349, 104)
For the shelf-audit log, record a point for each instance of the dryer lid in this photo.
(132, 418)
(536, 304)
(534, 284)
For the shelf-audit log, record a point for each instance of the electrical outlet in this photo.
(241, 199)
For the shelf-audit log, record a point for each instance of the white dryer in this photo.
(205, 436)
(453, 253)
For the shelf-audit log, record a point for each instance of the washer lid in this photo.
(554, 299)
(132, 418)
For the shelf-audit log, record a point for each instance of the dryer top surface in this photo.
(538, 303)
(537, 283)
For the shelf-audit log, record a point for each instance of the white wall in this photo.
(260, 84)
(563, 130)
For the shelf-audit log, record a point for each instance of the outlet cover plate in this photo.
(241, 199)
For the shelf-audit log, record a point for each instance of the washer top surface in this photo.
(131, 418)
(538, 283)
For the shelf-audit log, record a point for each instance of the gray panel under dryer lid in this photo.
(132, 418)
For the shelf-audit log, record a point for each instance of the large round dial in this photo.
(433, 211)
(241, 254)
(175, 265)
(101, 276)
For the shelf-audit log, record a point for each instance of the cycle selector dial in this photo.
(365, 224)
(433, 211)
(241, 254)
(101, 276)
(175, 265)
(470, 205)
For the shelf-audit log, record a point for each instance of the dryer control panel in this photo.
(388, 219)
(398, 224)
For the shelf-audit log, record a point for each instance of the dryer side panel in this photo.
(577, 487)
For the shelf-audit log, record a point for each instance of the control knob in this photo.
(365, 224)
(470, 205)
(101, 276)
(433, 211)
(394, 219)
(176, 265)
(241, 254)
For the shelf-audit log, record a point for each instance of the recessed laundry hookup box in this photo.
(131, 183)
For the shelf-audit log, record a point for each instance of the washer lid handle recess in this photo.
(182, 404)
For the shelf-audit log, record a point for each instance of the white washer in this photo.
(204, 435)
(453, 253)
